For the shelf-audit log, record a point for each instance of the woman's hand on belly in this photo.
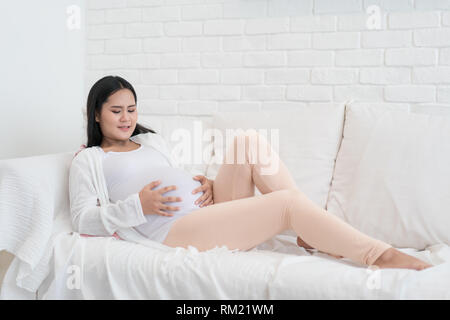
(152, 201)
(187, 204)
(206, 188)
(185, 184)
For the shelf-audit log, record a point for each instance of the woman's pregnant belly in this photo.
(170, 176)
(185, 185)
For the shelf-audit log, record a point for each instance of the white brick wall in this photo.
(195, 57)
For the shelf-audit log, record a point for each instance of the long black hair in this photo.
(98, 94)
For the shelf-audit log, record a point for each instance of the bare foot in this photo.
(393, 258)
(303, 244)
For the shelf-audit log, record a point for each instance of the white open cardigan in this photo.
(90, 207)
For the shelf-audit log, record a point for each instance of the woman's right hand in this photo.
(152, 200)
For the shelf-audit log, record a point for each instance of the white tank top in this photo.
(128, 172)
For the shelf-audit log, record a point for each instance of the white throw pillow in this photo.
(308, 142)
(186, 138)
(34, 207)
(392, 176)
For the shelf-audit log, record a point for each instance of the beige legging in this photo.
(241, 220)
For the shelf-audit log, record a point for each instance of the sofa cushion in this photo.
(308, 140)
(186, 137)
(392, 175)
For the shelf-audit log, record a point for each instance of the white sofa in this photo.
(382, 169)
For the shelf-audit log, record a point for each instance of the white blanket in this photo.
(107, 268)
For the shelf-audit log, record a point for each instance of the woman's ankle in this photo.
(386, 256)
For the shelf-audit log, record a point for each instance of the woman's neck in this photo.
(128, 146)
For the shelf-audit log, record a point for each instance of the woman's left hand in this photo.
(207, 188)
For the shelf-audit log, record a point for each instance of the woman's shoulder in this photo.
(83, 157)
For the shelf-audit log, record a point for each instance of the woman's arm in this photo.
(88, 217)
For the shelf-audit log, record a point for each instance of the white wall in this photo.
(42, 78)
(197, 56)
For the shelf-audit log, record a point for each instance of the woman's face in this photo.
(118, 110)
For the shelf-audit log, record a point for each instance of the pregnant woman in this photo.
(126, 181)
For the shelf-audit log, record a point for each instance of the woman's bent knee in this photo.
(291, 198)
(287, 196)
(292, 193)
